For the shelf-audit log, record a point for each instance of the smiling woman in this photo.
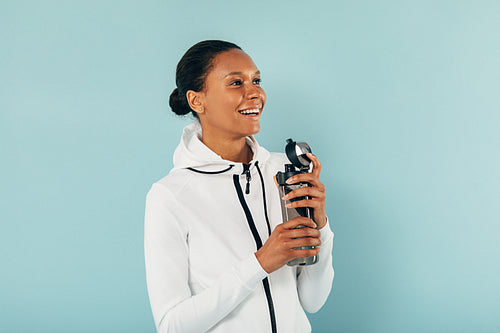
(216, 255)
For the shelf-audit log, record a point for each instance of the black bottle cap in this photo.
(296, 153)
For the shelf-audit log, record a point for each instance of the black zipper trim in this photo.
(258, 242)
(251, 223)
(270, 304)
(246, 171)
(264, 198)
(266, 282)
(212, 172)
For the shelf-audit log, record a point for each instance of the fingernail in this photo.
(289, 205)
(285, 197)
(289, 180)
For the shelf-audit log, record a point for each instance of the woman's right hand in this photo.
(281, 246)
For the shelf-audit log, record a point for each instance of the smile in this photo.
(250, 112)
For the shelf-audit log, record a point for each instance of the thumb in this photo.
(275, 181)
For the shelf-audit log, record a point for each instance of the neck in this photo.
(235, 150)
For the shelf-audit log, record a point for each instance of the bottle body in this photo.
(290, 213)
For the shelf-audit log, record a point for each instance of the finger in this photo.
(311, 203)
(308, 178)
(302, 232)
(304, 253)
(316, 164)
(299, 220)
(312, 192)
(303, 242)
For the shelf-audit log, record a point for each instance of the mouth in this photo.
(250, 112)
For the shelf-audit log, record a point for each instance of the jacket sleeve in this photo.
(174, 307)
(315, 282)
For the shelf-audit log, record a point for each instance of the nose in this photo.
(253, 92)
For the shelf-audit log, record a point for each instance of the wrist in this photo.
(258, 255)
(321, 223)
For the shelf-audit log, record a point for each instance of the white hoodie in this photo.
(202, 229)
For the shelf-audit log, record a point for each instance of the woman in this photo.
(215, 245)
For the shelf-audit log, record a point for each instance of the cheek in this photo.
(224, 100)
(231, 103)
(223, 109)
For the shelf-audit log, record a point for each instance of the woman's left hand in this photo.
(316, 192)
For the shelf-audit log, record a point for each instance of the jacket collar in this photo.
(192, 153)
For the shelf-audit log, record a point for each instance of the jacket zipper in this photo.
(255, 234)
(246, 171)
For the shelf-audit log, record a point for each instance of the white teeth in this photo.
(249, 111)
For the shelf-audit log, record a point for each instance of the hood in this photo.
(192, 152)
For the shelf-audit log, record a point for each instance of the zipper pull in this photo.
(246, 171)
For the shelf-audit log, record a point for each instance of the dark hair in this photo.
(192, 71)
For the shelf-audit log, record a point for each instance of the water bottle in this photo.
(296, 153)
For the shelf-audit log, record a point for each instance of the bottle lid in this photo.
(296, 153)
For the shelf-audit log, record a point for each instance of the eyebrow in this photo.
(239, 73)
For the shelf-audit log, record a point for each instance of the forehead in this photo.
(232, 61)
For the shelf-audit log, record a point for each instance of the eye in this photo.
(235, 83)
(257, 81)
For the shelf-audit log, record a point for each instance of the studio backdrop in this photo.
(398, 99)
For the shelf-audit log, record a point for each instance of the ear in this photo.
(195, 100)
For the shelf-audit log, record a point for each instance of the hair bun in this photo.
(177, 103)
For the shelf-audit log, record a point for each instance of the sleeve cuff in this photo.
(251, 272)
(326, 232)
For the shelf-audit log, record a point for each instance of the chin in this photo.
(254, 131)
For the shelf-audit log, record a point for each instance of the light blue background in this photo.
(399, 99)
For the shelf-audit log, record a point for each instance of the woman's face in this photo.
(233, 99)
